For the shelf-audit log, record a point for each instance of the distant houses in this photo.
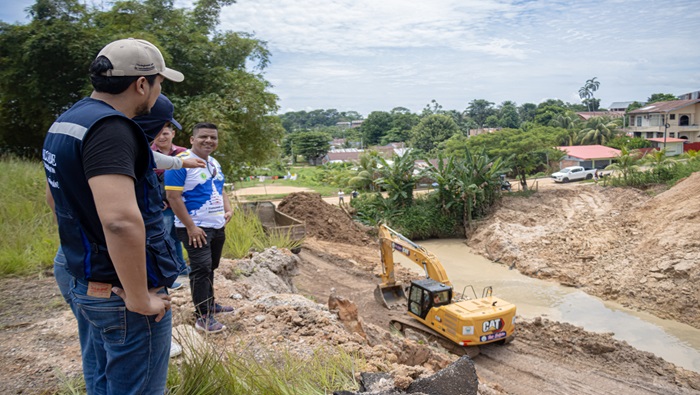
(676, 119)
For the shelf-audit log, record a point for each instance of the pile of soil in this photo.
(323, 221)
(619, 244)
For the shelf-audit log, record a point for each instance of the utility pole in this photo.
(666, 125)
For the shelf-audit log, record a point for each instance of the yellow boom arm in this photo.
(391, 240)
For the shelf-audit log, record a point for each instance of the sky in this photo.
(375, 55)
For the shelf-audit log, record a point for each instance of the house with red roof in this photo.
(588, 156)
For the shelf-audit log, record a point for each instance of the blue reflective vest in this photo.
(79, 226)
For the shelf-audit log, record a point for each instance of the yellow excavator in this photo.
(463, 322)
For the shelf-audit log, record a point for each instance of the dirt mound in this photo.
(323, 221)
(619, 244)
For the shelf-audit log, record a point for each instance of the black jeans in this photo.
(203, 262)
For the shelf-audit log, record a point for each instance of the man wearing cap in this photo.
(99, 169)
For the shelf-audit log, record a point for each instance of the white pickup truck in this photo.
(573, 173)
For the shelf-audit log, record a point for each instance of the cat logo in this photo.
(492, 325)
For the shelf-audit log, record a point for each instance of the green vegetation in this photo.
(662, 169)
(467, 187)
(28, 230)
(245, 232)
(206, 370)
(217, 88)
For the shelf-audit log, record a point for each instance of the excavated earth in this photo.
(282, 299)
(640, 249)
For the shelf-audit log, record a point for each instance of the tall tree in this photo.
(431, 131)
(479, 110)
(508, 115)
(586, 92)
(311, 145)
(527, 111)
(377, 124)
(218, 85)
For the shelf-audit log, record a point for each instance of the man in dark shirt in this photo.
(99, 169)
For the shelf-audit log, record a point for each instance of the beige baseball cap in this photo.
(132, 57)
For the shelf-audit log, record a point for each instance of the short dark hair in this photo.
(203, 125)
(112, 85)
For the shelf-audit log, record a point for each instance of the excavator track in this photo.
(401, 324)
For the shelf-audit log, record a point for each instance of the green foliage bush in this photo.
(421, 220)
(659, 175)
(28, 231)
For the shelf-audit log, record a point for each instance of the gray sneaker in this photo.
(209, 324)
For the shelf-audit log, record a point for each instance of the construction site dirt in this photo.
(642, 246)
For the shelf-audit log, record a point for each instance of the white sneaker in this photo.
(175, 349)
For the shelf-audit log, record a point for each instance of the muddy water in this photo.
(673, 341)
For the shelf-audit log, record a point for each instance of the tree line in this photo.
(45, 71)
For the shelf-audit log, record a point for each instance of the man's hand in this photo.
(157, 304)
(197, 237)
(227, 216)
(191, 163)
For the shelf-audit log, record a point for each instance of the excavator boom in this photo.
(390, 292)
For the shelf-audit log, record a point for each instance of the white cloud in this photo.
(368, 55)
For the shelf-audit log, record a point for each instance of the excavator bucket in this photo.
(390, 296)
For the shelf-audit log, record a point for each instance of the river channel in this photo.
(673, 341)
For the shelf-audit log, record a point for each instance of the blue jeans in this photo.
(122, 352)
(64, 280)
(169, 222)
(129, 352)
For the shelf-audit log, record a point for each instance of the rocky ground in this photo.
(282, 300)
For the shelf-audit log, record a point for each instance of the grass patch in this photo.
(206, 370)
(307, 177)
(245, 232)
(28, 231)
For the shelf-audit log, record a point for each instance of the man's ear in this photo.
(141, 83)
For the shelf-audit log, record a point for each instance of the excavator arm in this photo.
(390, 291)
(391, 240)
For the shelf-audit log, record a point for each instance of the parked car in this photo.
(573, 173)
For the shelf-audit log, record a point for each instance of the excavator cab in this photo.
(426, 294)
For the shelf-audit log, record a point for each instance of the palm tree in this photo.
(477, 178)
(657, 159)
(585, 94)
(598, 130)
(397, 178)
(366, 171)
(626, 163)
(692, 155)
(586, 91)
(442, 172)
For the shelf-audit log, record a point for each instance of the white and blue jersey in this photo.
(202, 191)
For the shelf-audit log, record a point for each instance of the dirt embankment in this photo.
(618, 244)
(281, 303)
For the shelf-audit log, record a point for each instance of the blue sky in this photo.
(368, 55)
